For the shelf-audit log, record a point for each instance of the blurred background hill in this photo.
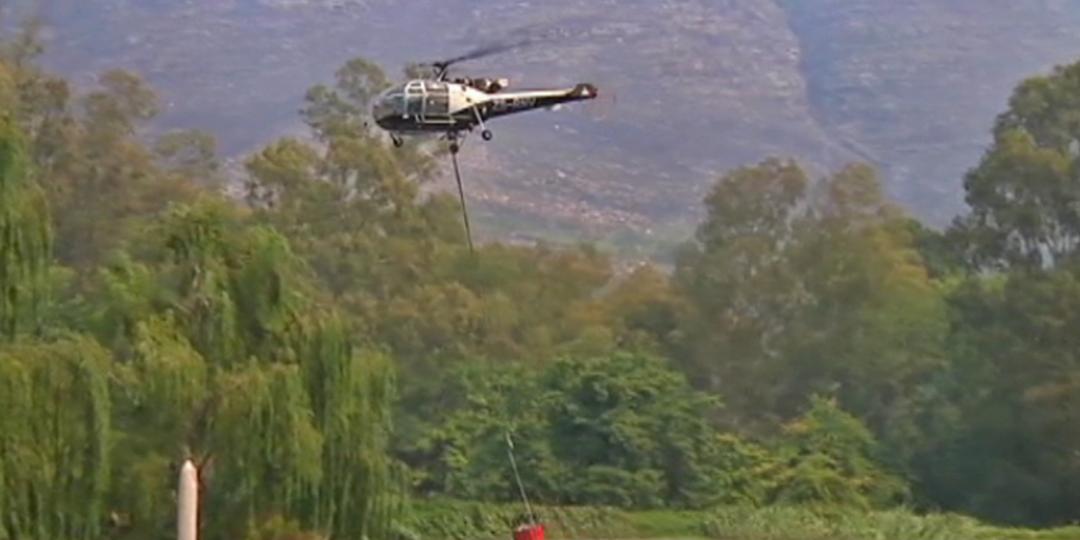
(702, 86)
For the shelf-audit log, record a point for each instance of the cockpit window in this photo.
(390, 103)
(414, 99)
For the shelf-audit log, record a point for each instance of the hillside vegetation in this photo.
(326, 348)
(699, 86)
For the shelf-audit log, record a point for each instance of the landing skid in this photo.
(485, 133)
(455, 137)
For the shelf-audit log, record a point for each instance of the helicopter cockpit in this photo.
(416, 102)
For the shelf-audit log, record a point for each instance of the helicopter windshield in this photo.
(418, 100)
(389, 104)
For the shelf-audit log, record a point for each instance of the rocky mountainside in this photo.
(702, 86)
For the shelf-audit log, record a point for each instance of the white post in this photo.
(187, 507)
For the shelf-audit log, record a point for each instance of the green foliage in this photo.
(745, 472)
(351, 392)
(342, 109)
(189, 154)
(794, 292)
(632, 431)
(939, 250)
(457, 520)
(232, 361)
(831, 460)
(239, 289)
(269, 448)
(1006, 402)
(25, 236)
(103, 182)
(1024, 192)
(792, 523)
(279, 528)
(623, 430)
(54, 439)
(277, 343)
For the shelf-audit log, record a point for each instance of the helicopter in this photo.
(454, 107)
(451, 107)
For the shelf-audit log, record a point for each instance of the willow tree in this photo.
(197, 240)
(351, 393)
(268, 450)
(25, 237)
(238, 290)
(237, 361)
(159, 415)
(54, 440)
(307, 441)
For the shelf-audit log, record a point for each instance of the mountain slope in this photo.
(702, 86)
(915, 85)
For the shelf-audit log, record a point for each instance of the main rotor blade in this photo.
(524, 36)
(442, 66)
(461, 194)
(481, 52)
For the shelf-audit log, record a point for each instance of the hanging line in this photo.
(461, 194)
(517, 477)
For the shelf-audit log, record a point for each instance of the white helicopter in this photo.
(452, 107)
(455, 107)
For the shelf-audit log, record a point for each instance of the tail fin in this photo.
(586, 90)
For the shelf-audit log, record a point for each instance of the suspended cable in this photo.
(461, 194)
(517, 477)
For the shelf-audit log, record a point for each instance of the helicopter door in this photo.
(414, 100)
(436, 103)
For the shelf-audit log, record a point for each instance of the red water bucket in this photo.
(529, 532)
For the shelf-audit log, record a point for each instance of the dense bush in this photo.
(629, 431)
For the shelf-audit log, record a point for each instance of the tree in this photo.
(940, 250)
(832, 459)
(98, 177)
(631, 429)
(341, 113)
(25, 237)
(41, 101)
(999, 423)
(191, 155)
(160, 412)
(351, 392)
(796, 292)
(54, 439)
(232, 356)
(623, 430)
(1025, 192)
(875, 325)
(739, 278)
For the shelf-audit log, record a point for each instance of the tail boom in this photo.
(504, 103)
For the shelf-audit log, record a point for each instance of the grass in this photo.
(666, 524)
(459, 520)
(788, 523)
(456, 520)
